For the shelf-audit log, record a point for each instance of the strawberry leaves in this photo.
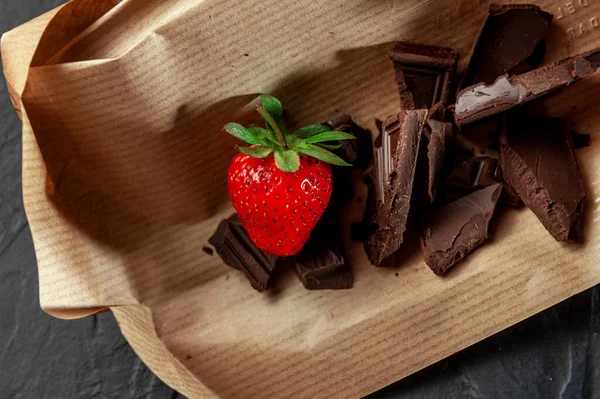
(287, 161)
(321, 154)
(255, 152)
(273, 106)
(328, 136)
(311, 130)
(240, 132)
(314, 141)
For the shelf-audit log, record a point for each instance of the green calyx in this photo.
(314, 141)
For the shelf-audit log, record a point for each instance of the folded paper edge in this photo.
(138, 327)
(18, 49)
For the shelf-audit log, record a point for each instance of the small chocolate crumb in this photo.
(397, 274)
(208, 251)
(246, 55)
(227, 277)
(188, 357)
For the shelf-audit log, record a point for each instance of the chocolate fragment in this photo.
(455, 230)
(321, 264)
(431, 158)
(511, 41)
(237, 250)
(423, 74)
(580, 140)
(394, 173)
(538, 161)
(479, 101)
(358, 152)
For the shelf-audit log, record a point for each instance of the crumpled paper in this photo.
(124, 168)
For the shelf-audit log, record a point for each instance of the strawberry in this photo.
(281, 185)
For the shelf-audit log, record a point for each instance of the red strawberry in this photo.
(281, 185)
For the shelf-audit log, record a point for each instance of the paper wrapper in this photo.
(124, 180)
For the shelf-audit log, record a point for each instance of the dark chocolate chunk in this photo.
(455, 230)
(580, 140)
(395, 161)
(423, 74)
(208, 250)
(481, 100)
(237, 250)
(538, 161)
(511, 41)
(321, 264)
(431, 158)
(358, 152)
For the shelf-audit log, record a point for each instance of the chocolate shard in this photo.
(358, 152)
(431, 158)
(538, 161)
(423, 74)
(237, 250)
(396, 152)
(511, 41)
(321, 264)
(481, 100)
(455, 230)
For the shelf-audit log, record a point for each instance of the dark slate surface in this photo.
(551, 355)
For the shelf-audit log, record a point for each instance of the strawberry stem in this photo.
(271, 121)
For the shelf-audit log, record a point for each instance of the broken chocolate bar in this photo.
(358, 152)
(511, 41)
(538, 161)
(237, 250)
(321, 264)
(423, 74)
(431, 156)
(455, 230)
(394, 173)
(482, 100)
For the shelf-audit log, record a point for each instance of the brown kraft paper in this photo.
(124, 180)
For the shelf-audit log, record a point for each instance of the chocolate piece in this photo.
(394, 173)
(237, 250)
(511, 41)
(580, 140)
(538, 161)
(423, 74)
(321, 264)
(431, 156)
(481, 100)
(455, 230)
(358, 152)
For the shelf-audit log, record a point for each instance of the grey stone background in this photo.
(551, 355)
